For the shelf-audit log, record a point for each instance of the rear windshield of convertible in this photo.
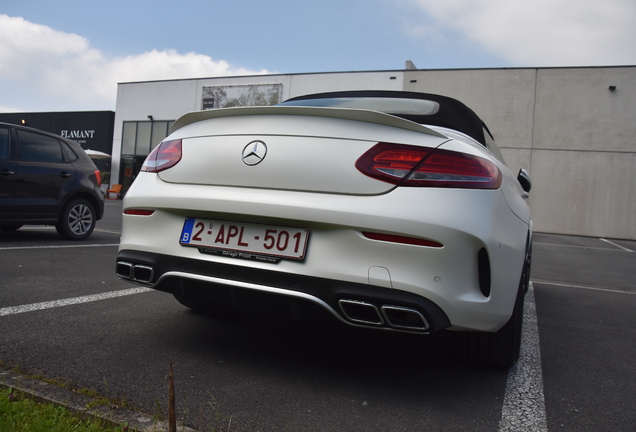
(422, 108)
(396, 106)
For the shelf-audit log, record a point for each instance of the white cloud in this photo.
(4, 109)
(539, 32)
(55, 63)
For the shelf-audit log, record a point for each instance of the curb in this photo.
(76, 403)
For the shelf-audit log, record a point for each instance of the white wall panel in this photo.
(576, 110)
(584, 193)
(503, 98)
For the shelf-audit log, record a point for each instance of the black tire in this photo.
(499, 349)
(77, 220)
(10, 227)
(527, 266)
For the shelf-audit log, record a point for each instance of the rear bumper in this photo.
(356, 304)
(470, 225)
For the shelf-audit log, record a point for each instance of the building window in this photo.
(138, 139)
(227, 96)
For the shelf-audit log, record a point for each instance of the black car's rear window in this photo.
(4, 143)
(39, 148)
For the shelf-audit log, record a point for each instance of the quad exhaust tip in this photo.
(397, 317)
(405, 318)
(135, 272)
(361, 312)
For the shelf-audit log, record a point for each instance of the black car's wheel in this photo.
(10, 227)
(77, 220)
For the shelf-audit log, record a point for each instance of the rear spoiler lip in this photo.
(368, 116)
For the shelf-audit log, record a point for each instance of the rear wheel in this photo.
(500, 348)
(525, 276)
(77, 220)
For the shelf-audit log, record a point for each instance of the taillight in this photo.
(413, 166)
(98, 177)
(391, 162)
(450, 169)
(164, 156)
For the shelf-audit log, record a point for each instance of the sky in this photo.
(69, 55)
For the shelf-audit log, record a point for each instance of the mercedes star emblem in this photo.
(254, 153)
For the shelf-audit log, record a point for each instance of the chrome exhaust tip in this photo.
(142, 273)
(135, 272)
(361, 312)
(400, 317)
(125, 270)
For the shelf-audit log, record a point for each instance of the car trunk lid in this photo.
(288, 148)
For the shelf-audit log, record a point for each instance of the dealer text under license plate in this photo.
(245, 238)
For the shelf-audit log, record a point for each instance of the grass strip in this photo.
(18, 413)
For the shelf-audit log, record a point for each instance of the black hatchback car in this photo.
(47, 180)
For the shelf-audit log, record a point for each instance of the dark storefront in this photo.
(92, 129)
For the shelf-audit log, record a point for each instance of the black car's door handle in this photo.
(64, 174)
(6, 172)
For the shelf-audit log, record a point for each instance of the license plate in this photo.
(240, 240)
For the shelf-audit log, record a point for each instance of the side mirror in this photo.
(524, 180)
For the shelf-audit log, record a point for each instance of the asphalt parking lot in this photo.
(65, 315)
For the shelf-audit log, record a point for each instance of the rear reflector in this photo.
(413, 166)
(402, 239)
(138, 212)
(164, 156)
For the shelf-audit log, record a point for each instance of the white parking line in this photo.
(577, 246)
(617, 245)
(109, 231)
(587, 287)
(524, 403)
(12, 310)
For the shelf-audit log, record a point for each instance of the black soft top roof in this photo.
(451, 114)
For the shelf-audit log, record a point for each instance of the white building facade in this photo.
(572, 129)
